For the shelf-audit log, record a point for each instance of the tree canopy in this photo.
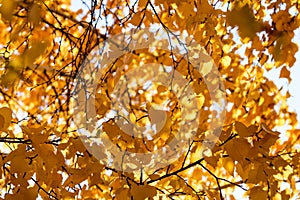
(213, 53)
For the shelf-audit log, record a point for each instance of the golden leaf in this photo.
(157, 117)
(36, 49)
(10, 76)
(226, 61)
(136, 19)
(142, 3)
(285, 73)
(34, 14)
(141, 192)
(258, 193)
(243, 130)
(43, 47)
(245, 20)
(7, 9)
(5, 118)
(228, 164)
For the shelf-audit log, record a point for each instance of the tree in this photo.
(44, 45)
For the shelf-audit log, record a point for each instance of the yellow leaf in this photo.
(10, 76)
(36, 49)
(19, 164)
(206, 68)
(226, 48)
(102, 104)
(243, 130)
(242, 171)
(197, 153)
(29, 193)
(5, 118)
(237, 149)
(212, 161)
(141, 192)
(16, 63)
(263, 59)
(226, 61)
(38, 138)
(149, 16)
(142, 3)
(285, 73)
(136, 19)
(7, 9)
(245, 20)
(186, 10)
(258, 193)
(34, 15)
(284, 195)
(154, 176)
(278, 53)
(122, 193)
(157, 117)
(257, 173)
(76, 176)
(228, 164)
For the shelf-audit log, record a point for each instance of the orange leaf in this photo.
(285, 73)
(136, 19)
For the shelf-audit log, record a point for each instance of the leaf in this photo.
(258, 193)
(228, 164)
(34, 14)
(10, 76)
(226, 61)
(237, 149)
(267, 141)
(257, 173)
(141, 192)
(285, 73)
(149, 16)
(243, 172)
(186, 9)
(18, 161)
(245, 20)
(212, 161)
(142, 3)
(36, 49)
(7, 9)
(5, 118)
(76, 176)
(243, 130)
(136, 19)
(102, 104)
(44, 46)
(154, 176)
(122, 194)
(284, 195)
(30, 192)
(157, 117)
(278, 50)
